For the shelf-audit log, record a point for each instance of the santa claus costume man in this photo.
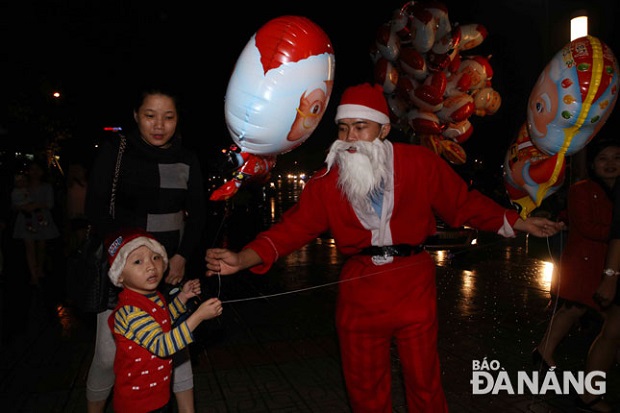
(379, 201)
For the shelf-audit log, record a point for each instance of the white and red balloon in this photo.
(432, 88)
(277, 95)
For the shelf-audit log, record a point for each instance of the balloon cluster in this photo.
(570, 102)
(431, 88)
(276, 96)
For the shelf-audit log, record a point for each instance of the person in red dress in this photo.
(583, 257)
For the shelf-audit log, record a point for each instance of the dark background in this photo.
(96, 53)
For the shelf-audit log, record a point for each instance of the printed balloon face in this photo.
(573, 97)
(478, 69)
(311, 107)
(280, 86)
(487, 101)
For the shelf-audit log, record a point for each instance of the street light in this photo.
(578, 25)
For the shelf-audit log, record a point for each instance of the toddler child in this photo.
(142, 322)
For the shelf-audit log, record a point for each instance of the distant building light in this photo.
(112, 128)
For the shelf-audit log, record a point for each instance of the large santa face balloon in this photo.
(573, 97)
(280, 87)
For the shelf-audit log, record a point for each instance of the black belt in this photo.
(400, 250)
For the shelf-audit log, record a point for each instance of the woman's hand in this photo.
(606, 291)
(176, 271)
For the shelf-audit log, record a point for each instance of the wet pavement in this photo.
(275, 347)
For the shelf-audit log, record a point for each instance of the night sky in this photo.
(96, 54)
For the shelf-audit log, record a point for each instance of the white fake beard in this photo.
(362, 172)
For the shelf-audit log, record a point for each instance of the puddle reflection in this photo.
(545, 269)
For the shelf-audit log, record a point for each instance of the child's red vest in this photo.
(142, 379)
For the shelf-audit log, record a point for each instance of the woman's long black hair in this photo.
(595, 147)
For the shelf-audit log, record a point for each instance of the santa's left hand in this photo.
(539, 227)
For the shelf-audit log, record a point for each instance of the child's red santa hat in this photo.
(364, 102)
(123, 243)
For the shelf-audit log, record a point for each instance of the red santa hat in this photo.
(123, 243)
(364, 101)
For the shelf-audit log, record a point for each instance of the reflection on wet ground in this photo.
(275, 347)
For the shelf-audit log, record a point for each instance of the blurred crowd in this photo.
(41, 220)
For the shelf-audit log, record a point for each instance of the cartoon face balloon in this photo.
(573, 96)
(280, 86)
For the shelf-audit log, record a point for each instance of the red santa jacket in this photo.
(422, 186)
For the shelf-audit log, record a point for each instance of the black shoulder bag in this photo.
(88, 285)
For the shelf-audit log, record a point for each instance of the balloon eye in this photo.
(316, 109)
(539, 107)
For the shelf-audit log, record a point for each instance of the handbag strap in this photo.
(117, 170)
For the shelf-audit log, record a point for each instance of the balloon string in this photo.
(215, 238)
(300, 290)
(316, 286)
(558, 273)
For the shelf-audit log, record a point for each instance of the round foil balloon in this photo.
(417, 56)
(529, 174)
(573, 96)
(280, 86)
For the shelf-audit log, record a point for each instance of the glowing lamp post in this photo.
(578, 26)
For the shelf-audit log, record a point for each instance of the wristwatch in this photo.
(610, 272)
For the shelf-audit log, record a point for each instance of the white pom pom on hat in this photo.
(119, 245)
(364, 101)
